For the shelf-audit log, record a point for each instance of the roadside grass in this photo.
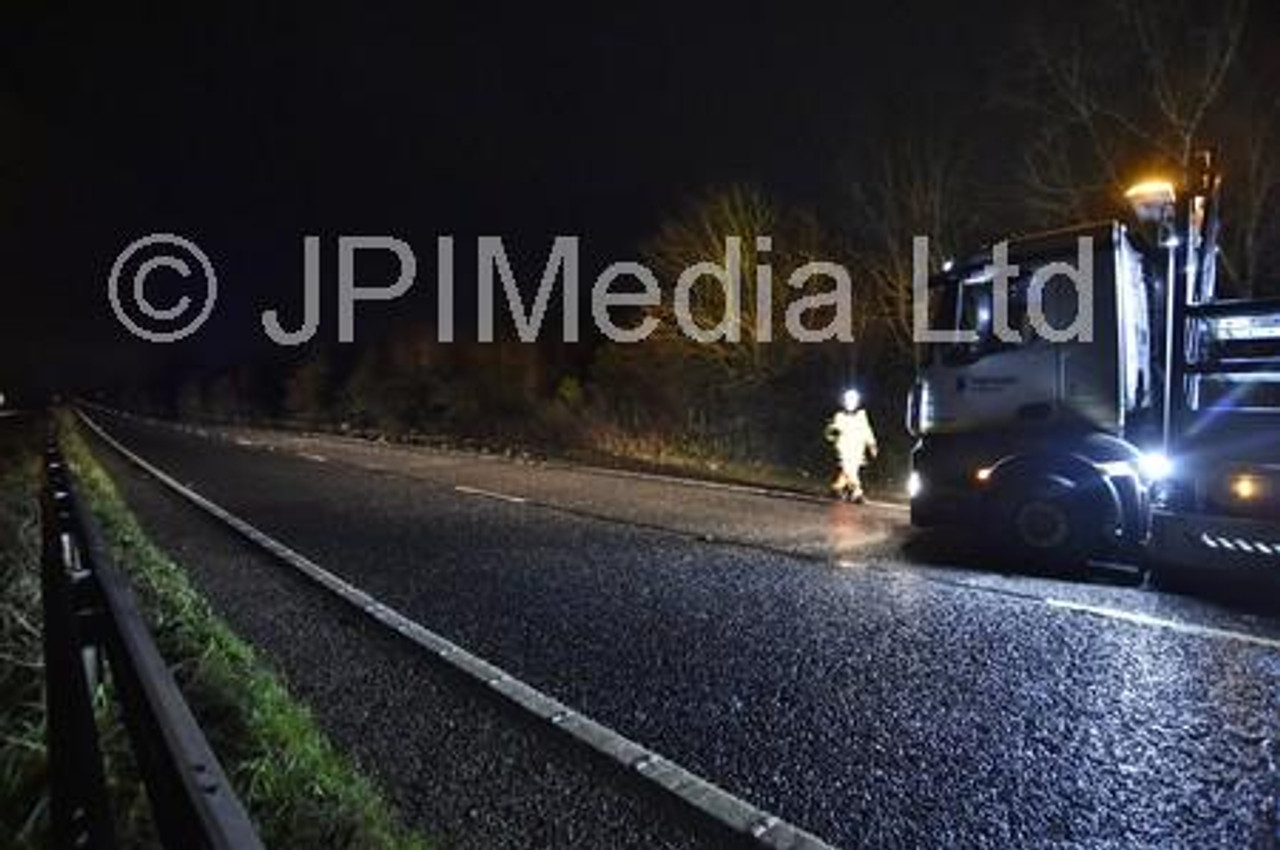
(24, 794)
(299, 789)
(616, 448)
(23, 801)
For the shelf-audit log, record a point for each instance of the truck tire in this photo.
(1055, 522)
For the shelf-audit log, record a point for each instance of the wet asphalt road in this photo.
(460, 766)
(783, 649)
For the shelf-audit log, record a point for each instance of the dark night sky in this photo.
(246, 126)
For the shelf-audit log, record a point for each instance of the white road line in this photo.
(1162, 623)
(706, 484)
(316, 458)
(1063, 604)
(560, 463)
(713, 801)
(490, 494)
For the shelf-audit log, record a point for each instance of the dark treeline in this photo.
(1088, 99)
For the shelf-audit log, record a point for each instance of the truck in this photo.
(1151, 435)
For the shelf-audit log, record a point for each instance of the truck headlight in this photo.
(1155, 466)
(914, 484)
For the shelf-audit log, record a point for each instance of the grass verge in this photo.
(24, 773)
(300, 791)
(23, 801)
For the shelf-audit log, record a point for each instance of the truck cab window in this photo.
(975, 311)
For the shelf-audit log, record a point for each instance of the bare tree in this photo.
(699, 235)
(1123, 87)
(916, 187)
(751, 397)
(1133, 83)
(1253, 197)
(1187, 63)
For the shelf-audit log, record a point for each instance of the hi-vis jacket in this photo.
(852, 436)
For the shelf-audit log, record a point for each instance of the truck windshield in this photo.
(967, 303)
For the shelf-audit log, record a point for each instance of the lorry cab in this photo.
(1042, 428)
(1150, 432)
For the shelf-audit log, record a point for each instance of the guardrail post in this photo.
(78, 810)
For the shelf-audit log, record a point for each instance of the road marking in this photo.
(725, 808)
(1162, 623)
(748, 489)
(560, 463)
(726, 486)
(316, 458)
(490, 494)
(1117, 614)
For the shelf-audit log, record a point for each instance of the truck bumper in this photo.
(1208, 541)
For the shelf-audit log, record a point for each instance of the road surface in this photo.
(786, 649)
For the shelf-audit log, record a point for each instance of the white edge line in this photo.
(713, 801)
(1062, 604)
(1162, 623)
(489, 494)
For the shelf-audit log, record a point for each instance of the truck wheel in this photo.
(1054, 524)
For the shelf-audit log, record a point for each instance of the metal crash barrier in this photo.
(94, 628)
